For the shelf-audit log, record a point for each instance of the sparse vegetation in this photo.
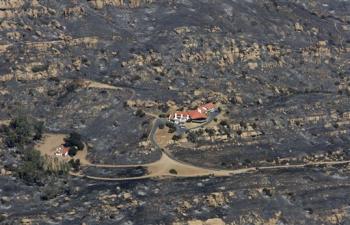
(224, 128)
(34, 168)
(52, 189)
(210, 131)
(193, 136)
(75, 164)
(53, 165)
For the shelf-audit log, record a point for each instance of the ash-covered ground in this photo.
(278, 69)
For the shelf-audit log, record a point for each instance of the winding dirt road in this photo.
(166, 166)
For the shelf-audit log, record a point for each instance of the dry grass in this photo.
(162, 137)
(51, 141)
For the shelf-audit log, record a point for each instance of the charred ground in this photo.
(279, 70)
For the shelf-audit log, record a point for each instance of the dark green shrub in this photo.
(39, 68)
(74, 140)
(210, 131)
(176, 137)
(192, 137)
(3, 217)
(172, 171)
(75, 164)
(38, 130)
(72, 151)
(171, 127)
(18, 133)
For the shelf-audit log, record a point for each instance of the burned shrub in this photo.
(223, 123)
(40, 68)
(247, 162)
(54, 79)
(144, 136)
(163, 107)
(51, 93)
(139, 113)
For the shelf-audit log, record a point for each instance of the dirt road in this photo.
(166, 166)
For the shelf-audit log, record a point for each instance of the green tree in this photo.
(22, 131)
(18, 133)
(172, 171)
(38, 130)
(72, 151)
(192, 137)
(171, 127)
(210, 131)
(31, 170)
(176, 137)
(74, 140)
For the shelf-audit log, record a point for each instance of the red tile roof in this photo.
(65, 150)
(193, 114)
(199, 113)
(206, 107)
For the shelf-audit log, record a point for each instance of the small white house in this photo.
(61, 151)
